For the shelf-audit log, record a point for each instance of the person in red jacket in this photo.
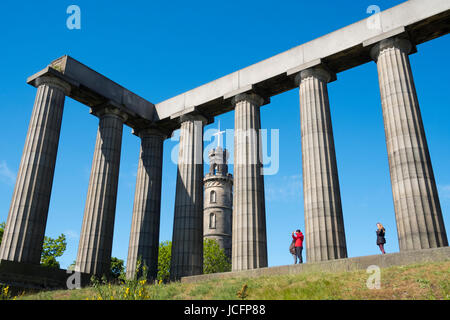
(298, 237)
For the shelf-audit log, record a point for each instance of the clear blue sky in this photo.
(159, 49)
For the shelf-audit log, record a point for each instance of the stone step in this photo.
(338, 265)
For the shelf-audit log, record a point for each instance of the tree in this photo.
(52, 249)
(164, 257)
(214, 258)
(2, 229)
(117, 268)
(71, 267)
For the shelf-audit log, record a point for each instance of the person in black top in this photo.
(381, 240)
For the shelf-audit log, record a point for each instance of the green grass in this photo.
(420, 281)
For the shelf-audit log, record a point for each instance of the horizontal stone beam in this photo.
(420, 20)
(93, 89)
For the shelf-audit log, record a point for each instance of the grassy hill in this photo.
(420, 281)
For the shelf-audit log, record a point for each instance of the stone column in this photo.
(324, 225)
(417, 209)
(187, 239)
(94, 250)
(27, 219)
(144, 235)
(249, 241)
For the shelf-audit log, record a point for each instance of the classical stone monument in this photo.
(387, 38)
(218, 202)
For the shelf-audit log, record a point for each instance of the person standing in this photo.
(381, 240)
(292, 250)
(298, 237)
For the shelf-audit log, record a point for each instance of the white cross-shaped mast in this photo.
(218, 134)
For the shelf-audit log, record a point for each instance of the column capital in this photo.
(320, 72)
(109, 110)
(54, 83)
(152, 130)
(402, 44)
(194, 117)
(253, 98)
(191, 114)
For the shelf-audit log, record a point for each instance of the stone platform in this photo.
(33, 277)
(338, 265)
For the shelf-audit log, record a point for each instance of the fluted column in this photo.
(417, 209)
(187, 239)
(249, 240)
(27, 219)
(324, 225)
(144, 235)
(94, 250)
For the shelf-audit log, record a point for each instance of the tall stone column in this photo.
(144, 235)
(417, 209)
(187, 239)
(324, 224)
(249, 240)
(96, 238)
(27, 219)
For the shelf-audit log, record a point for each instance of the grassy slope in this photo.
(422, 281)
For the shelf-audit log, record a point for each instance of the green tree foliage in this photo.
(164, 256)
(2, 229)
(117, 268)
(214, 258)
(72, 266)
(52, 249)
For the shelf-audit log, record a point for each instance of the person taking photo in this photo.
(298, 237)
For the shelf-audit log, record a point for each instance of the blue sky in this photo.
(159, 49)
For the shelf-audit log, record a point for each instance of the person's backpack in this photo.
(292, 247)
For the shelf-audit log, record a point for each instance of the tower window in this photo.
(212, 220)
(212, 197)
